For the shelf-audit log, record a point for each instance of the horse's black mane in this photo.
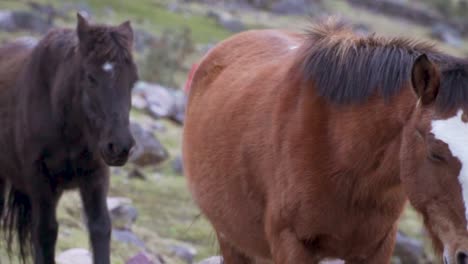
(346, 68)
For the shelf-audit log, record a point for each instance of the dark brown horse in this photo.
(300, 148)
(64, 109)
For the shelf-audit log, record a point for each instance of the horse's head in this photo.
(434, 158)
(107, 76)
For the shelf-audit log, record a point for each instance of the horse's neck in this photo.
(61, 79)
(366, 141)
(358, 145)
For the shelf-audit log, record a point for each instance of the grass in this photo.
(150, 15)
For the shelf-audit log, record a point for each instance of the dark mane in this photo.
(347, 68)
(453, 92)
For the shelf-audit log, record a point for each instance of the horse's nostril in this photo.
(462, 257)
(111, 147)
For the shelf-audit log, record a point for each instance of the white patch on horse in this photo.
(108, 66)
(454, 132)
(293, 47)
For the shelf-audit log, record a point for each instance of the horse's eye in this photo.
(436, 157)
(91, 78)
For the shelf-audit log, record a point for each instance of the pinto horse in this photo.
(64, 110)
(304, 147)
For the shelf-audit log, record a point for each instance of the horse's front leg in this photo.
(93, 193)
(45, 227)
(285, 245)
(383, 252)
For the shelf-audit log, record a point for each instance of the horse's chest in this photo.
(355, 231)
(67, 168)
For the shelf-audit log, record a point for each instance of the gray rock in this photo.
(148, 150)
(127, 236)
(227, 21)
(12, 21)
(122, 212)
(212, 260)
(135, 173)
(140, 258)
(408, 251)
(447, 34)
(361, 29)
(233, 25)
(159, 101)
(142, 40)
(178, 112)
(139, 101)
(185, 253)
(177, 165)
(290, 7)
(75, 256)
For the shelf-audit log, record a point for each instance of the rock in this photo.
(139, 101)
(116, 170)
(135, 173)
(233, 25)
(75, 256)
(140, 258)
(447, 34)
(122, 212)
(185, 253)
(148, 150)
(127, 236)
(408, 251)
(159, 101)
(177, 165)
(227, 21)
(290, 7)
(12, 21)
(178, 112)
(361, 29)
(158, 127)
(212, 260)
(142, 40)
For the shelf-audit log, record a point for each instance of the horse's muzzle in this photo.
(116, 153)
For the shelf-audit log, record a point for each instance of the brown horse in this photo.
(64, 110)
(300, 148)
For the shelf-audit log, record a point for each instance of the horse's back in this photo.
(242, 54)
(229, 126)
(13, 55)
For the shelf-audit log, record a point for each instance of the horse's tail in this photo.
(17, 222)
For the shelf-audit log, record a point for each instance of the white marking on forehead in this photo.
(293, 47)
(108, 66)
(454, 132)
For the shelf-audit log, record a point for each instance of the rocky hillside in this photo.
(154, 219)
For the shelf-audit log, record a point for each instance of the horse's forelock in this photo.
(108, 44)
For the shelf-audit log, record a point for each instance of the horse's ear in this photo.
(82, 27)
(425, 78)
(126, 29)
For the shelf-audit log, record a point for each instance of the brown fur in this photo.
(289, 171)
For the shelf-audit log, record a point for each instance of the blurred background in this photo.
(154, 219)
